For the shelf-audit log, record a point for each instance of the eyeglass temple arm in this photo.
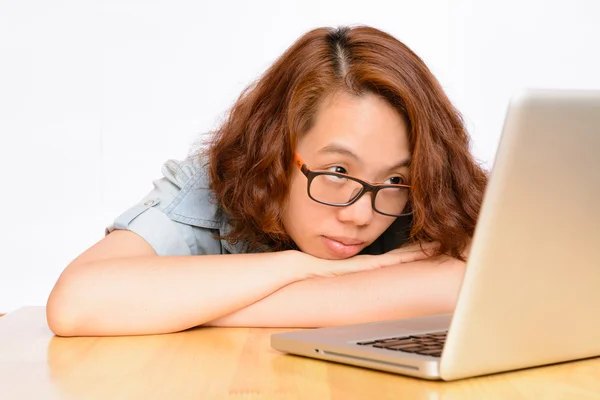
(300, 164)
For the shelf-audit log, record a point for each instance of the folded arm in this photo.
(121, 287)
(423, 287)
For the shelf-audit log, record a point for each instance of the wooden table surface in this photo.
(218, 363)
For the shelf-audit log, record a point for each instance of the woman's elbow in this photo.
(63, 309)
(59, 316)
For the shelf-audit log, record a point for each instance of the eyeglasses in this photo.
(340, 190)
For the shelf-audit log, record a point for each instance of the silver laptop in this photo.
(531, 292)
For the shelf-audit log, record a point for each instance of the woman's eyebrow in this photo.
(339, 149)
(402, 164)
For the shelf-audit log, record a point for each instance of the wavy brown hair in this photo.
(250, 156)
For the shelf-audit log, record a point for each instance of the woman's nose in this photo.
(360, 213)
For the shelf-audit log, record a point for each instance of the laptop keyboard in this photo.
(429, 344)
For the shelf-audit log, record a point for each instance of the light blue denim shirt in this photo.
(179, 217)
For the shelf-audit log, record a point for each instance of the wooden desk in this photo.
(218, 363)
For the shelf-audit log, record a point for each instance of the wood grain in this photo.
(220, 363)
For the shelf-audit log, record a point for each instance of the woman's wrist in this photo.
(302, 265)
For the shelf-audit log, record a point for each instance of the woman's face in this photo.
(364, 137)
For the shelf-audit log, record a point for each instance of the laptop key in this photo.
(397, 342)
(410, 350)
(435, 353)
(391, 348)
(405, 347)
(399, 345)
(367, 343)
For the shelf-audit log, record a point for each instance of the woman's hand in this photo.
(331, 268)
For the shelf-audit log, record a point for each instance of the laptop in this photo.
(530, 295)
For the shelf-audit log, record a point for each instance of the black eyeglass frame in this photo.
(366, 187)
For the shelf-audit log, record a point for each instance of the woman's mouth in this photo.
(343, 247)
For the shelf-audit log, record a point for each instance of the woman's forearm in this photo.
(146, 295)
(418, 288)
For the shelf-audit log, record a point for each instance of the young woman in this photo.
(340, 189)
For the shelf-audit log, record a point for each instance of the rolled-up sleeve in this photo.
(148, 219)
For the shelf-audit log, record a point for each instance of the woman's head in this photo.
(350, 100)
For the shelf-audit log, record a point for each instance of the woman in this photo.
(339, 190)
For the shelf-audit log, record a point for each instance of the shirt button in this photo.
(148, 202)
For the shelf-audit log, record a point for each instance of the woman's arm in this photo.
(121, 287)
(418, 288)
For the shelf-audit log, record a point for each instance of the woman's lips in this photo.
(343, 247)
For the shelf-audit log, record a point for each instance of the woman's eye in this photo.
(396, 180)
(338, 169)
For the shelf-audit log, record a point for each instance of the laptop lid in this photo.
(531, 292)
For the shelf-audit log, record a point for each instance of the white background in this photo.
(96, 95)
